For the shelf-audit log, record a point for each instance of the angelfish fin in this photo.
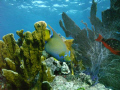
(62, 54)
(54, 33)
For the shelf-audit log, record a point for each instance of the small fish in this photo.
(112, 44)
(56, 47)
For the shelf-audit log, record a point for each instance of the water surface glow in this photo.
(22, 14)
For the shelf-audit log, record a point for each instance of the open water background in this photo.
(22, 14)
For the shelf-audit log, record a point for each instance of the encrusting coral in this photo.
(24, 59)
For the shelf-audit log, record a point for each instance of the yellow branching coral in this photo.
(11, 76)
(24, 58)
(10, 64)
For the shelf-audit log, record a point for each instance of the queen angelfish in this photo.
(56, 47)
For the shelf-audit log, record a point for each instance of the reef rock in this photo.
(56, 66)
(65, 68)
(60, 83)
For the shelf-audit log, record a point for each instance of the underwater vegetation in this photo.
(100, 64)
(39, 61)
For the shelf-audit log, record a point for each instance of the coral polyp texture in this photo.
(22, 59)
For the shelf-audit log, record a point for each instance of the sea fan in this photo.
(97, 55)
(100, 64)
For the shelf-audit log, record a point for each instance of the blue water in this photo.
(22, 14)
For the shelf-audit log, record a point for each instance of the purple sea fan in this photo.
(97, 55)
(100, 64)
(92, 53)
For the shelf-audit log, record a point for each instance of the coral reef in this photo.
(100, 64)
(57, 67)
(53, 64)
(60, 83)
(23, 61)
(23, 68)
(24, 65)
